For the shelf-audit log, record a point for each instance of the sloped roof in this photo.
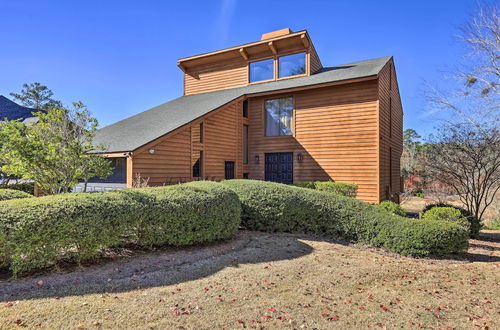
(138, 130)
(10, 110)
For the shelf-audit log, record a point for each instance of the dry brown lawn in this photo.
(265, 281)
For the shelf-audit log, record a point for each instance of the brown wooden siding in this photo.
(171, 159)
(335, 130)
(391, 133)
(213, 77)
(315, 63)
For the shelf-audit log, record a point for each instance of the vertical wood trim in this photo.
(130, 171)
(378, 144)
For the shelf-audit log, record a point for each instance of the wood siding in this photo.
(218, 76)
(233, 73)
(171, 158)
(391, 133)
(336, 132)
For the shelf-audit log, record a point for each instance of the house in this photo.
(10, 110)
(269, 110)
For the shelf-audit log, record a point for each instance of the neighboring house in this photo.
(10, 110)
(269, 110)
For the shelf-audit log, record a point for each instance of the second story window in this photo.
(261, 70)
(245, 108)
(279, 116)
(291, 65)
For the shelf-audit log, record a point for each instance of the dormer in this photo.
(279, 55)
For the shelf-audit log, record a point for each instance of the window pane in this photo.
(292, 65)
(286, 114)
(262, 70)
(272, 118)
(279, 116)
(245, 144)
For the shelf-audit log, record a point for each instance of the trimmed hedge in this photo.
(7, 194)
(392, 208)
(447, 214)
(27, 187)
(274, 207)
(475, 224)
(37, 232)
(339, 188)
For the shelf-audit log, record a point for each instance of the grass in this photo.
(267, 281)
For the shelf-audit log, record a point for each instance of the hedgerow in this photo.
(37, 232)
(27, 187)
(392, 208)
(447, 214)
(275, 207)
(475, 224)
(7, 194)
(339, 188)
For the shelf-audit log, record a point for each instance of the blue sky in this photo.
(119, 57)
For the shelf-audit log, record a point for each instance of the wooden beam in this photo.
(273, 49)
(182, 67)
(243, 53)
(304, 40)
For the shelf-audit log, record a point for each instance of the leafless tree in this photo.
(467, 159)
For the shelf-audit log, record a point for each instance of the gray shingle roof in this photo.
(138, 130)
(10, 110)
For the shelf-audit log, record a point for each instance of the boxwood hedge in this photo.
(27, 187)
(475, 224)
(339, 188)
(38, 232)
(275, 207)
(6, 194)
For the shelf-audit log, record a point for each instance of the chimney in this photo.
(275, 34)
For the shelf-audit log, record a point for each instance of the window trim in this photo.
(296, 75)
(276, 68)
(264, 116)
(260, 60)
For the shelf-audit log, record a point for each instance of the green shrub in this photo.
(392, 208)
(274, 207)
(420, 195)
(475, 224)
(27, 187)
(190, 213)
(494, 224)
(447, 214)
(6, 194)
(339, 188)
(37, 232)
(305, 184)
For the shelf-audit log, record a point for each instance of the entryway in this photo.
(279, 167)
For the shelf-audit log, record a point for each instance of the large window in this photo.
(262, 70)
(279, 116)
(291, 65)
(198, 166)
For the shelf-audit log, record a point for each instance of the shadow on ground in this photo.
(158, 269)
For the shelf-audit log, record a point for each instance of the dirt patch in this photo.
(267, 281)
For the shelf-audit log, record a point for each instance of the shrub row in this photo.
(392, 208)
(339, 188)
(275, 207)
(475, 224)
(27, 187)
(6, 194)
(37, 232)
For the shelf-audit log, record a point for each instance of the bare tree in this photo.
(467, 159)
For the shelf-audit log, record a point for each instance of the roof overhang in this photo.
(288, 42)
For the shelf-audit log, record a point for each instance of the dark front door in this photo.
(229, 170)
(279, 167)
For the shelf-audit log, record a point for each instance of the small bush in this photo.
(420, 195)
(6, 194)
(27, 187)
(339, 188)
(37, 232)
(392, 208)
(305, 184)
(494, 224)
(447, 214)
(475, 223)
(274, 207)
